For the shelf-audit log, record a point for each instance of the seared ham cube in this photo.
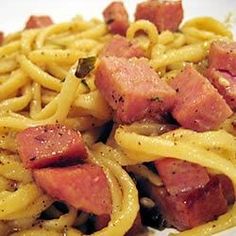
(48, 145)
(190, 209)
(225, 83)
(165, 14)
(38, 22)
(198, 105)
(133, 89)
(181, 176)
(222, 56)
(1, 37)
(119, 46)
(84, 187)
(116, 18)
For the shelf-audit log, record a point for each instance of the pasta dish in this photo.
(111, 127)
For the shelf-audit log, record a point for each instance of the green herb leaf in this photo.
(84, 67)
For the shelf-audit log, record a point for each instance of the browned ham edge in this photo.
(116, 18)
(166, 15)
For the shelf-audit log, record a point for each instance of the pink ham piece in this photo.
(48, 145)
(1, 37)
(222, 56)
(133, 89)
(190, 209)
(38, 22)
(181, 176)
(165, 14)
(116, 18)
(198, 104)
(119, 46)
(84, 187)
(225, 83)
(190, 194)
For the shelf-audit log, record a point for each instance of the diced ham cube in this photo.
(193, 208)
(116, 18)
(165, 14)
(84, 187)
(133, 89)
(225, 83)
(48, 145)
(1, 37)
(38, 22)
(222, 56)
(181, 176)
(119, 46)
(198, 105)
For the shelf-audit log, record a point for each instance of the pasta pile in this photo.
(38, 86)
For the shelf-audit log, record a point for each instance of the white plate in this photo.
(14, 13)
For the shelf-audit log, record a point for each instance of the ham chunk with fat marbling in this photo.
(38, 22)
(225, 83)
(48, 145)
(116, 18)
(84, 187)
(120, 46)
(166, 15)
(198, 105)
(222, 56)
(133, 89)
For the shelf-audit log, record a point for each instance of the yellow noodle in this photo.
(17, 103)
(144, 172)
(208, 24)
(57, 71)
(27, 40)
(35, 105)
(8, 65)
(154, 147)
(190, 53)
(18, 200)
(16, 81)
(39, 75)
(9, 48)
(55, 55)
